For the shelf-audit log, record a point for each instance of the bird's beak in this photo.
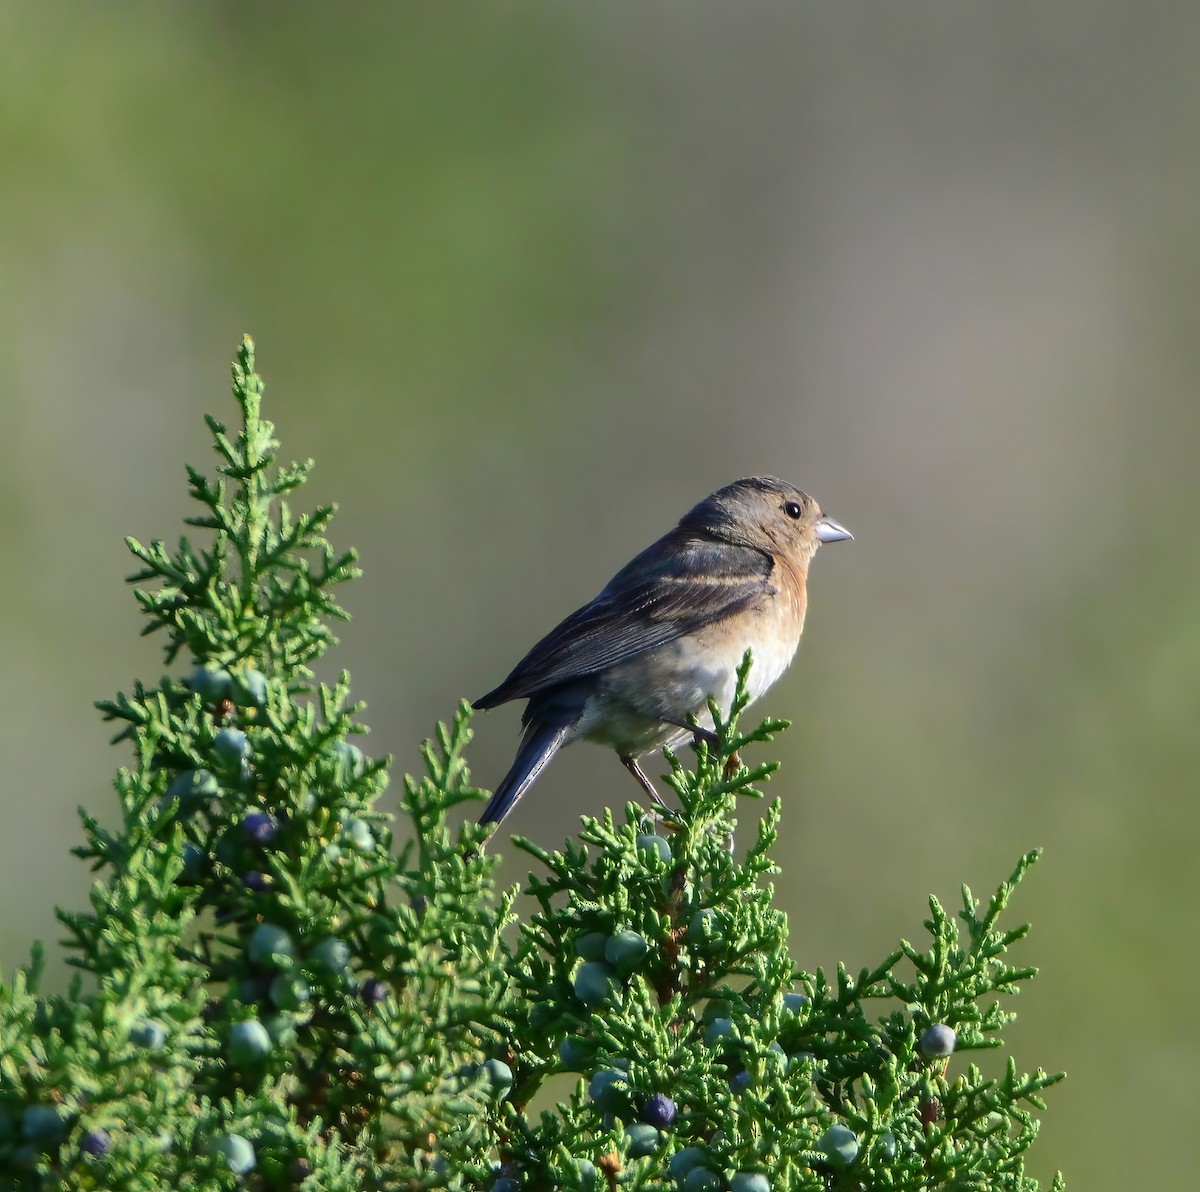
(830, 531)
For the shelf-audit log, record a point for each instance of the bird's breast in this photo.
(638, 704)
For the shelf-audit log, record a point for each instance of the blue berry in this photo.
(572, 1054)
(42, 1125)
(591, 945)
(359, 833)
(193, 863)
(840, 1145)
(333, 954)
(210, 683)
(290, 993)
(192, 785)
(594, 983)
(237, 1152)
(654, 849)
(256, 881)
(281, 1028)
(271, 945)
(609, 1088)
(749, 1181)
(249, 687)
(350, 760)
(498, 1075)
(249, 1042)
(231, 743)
(642, 1139)
(25, 1158)
(684, 1161)
(624, 950)
(937, 1042)
(718, 1029)
(148, 1034)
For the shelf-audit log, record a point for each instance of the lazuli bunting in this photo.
(668, 633)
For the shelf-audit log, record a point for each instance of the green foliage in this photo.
(274, 993)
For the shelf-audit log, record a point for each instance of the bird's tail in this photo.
(542, 740)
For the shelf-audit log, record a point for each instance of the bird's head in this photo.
(767, 514)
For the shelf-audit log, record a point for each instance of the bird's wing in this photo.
(675, 587)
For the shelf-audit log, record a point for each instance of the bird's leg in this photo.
(709, 738)
(713, 742)
(630, 763)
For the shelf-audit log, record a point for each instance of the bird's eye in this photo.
(792, 509)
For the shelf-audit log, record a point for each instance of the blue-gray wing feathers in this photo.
(675, 587)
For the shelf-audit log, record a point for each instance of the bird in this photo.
(635, 667)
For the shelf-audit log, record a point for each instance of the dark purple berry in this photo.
(740, 1081)
(659, 1112)
(301, 1169)
(254, 880)
(259, 827)
(96, 1142)
(374, 990)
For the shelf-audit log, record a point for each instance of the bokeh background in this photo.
(530, 279)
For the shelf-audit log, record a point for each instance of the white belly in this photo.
(639, 704)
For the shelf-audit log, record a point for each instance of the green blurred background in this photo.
(530, 279)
